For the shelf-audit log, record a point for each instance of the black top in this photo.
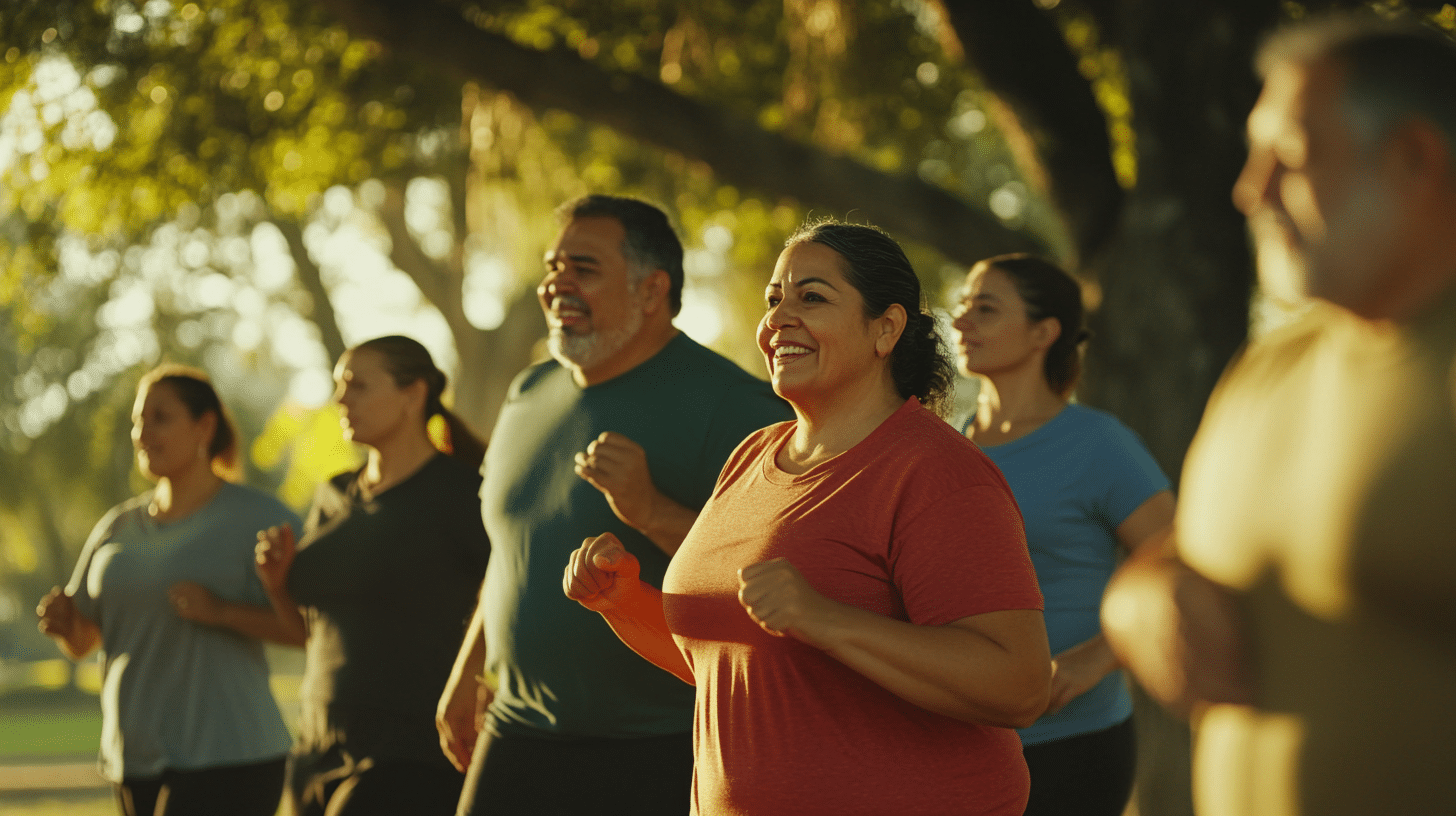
(388, 586)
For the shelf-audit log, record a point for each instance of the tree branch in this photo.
(322, 313)
(1024, 60)
(740, 152)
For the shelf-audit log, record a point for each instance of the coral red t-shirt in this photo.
(913, 523)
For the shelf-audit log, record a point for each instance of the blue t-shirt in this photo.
(562, 671)
(1077, 478)
(176, 694)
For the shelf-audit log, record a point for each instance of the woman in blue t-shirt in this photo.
(1089, 492)
(189, 725)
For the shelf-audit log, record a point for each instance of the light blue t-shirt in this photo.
(177, 694)
(1077, 478)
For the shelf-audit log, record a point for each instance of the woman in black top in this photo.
(379, 590)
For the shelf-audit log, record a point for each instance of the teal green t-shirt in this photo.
(561, 670)
(176, 694)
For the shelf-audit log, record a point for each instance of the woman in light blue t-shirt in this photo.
(1089, 492)
(189, 725)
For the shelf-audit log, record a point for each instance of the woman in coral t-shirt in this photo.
(855, 604)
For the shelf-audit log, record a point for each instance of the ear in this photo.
(655, 291)
(208, 421)
(418, 391)
(1045, 332)
(1419, 158)
(887, 329)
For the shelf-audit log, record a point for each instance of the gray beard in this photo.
(586, 351)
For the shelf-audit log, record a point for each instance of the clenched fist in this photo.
(601, 573)
(778, 599)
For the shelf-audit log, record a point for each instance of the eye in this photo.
(772, 300)
(814, 297)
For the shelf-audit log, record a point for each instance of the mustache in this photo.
(569, 301)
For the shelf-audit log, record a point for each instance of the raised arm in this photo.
(1179, 633)
(617, 467)
(991, 669)
(603, 576)
(75, 634)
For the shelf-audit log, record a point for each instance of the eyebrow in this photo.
(805, 282)
(575, 258)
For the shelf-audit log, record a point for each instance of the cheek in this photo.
(763, 335)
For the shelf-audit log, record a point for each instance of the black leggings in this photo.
(644, 776)
(1086, 775)
(229, 790)
(387, 788)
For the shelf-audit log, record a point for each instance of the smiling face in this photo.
(592, 303)
(994, 334)
(374, 408)
(168, 439)
(815, 338)
(1324, 218)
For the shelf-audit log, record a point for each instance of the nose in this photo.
(1256, 182)
(556, 282)
(962, 320)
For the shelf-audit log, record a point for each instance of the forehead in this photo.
(808, 259)
(356, 362)
(600, 237)
(156, 395)
(989, 282)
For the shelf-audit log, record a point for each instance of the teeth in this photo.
(783, 351)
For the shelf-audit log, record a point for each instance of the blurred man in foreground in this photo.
(1306, 612)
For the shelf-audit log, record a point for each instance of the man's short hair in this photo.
(650, 244)
(1394, 69)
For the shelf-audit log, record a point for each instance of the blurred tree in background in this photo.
(252, 185)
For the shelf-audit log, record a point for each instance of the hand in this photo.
(1074, 673)
(195, 602)
(617, 466)
(778, 599)
(274, 556)
(460, 717)
(57, 613)
(601, 573)
(1178, 633)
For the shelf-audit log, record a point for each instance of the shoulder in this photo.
(687, 356)
(131, 508)
(930, 449)
(450, 473)
(243, 499)
(532, 377)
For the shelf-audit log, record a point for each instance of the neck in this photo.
(644, 345)
(179, 496)
(1014, 404)
(391, 461)
(829, 427)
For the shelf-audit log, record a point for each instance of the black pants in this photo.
(230, 790)
(1086, 775)
(646, 776)
(369, 788)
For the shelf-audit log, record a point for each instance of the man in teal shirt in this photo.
(624, 431)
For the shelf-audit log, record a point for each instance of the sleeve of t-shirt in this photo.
(965, 555)
(745, 409)
(80, 588)
(1132, 476)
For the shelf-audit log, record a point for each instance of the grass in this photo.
(48, 724)
(100, 804)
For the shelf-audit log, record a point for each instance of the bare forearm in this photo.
(641, 624)
(948, 669)
(670, 524)
(470, 660)
(279, 623)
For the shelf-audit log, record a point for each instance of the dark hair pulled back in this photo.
(877, 268)
(1048, 291)
(407, 362)
(194, 390)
